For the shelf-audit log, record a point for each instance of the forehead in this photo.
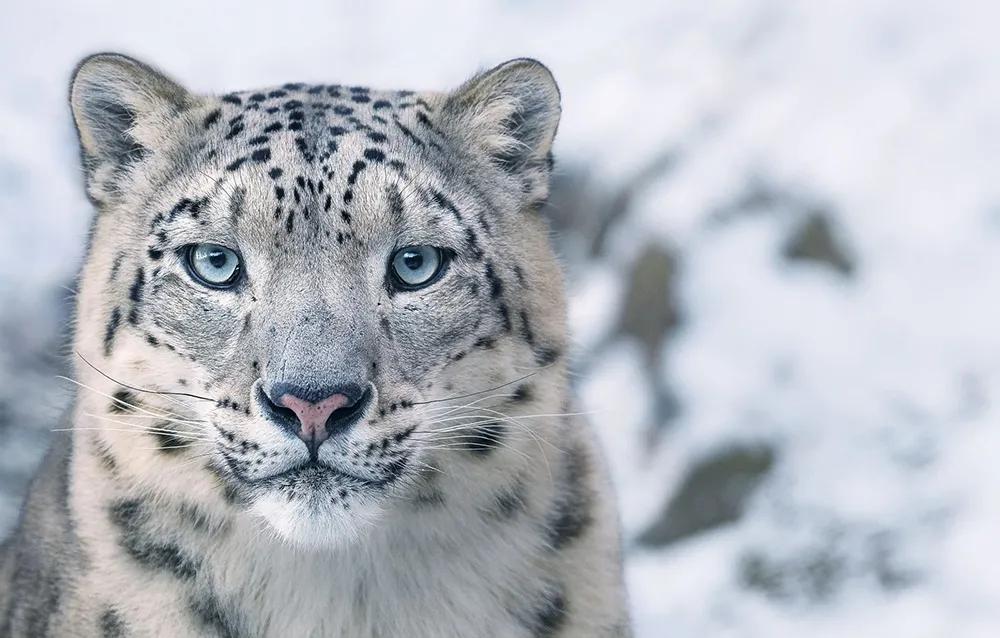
(311, 125)
(337, 152)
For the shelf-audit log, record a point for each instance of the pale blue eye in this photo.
(213, 265)
(416, 266)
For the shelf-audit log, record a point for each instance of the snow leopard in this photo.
(320, 368)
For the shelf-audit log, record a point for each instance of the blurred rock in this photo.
(585, 211)
(620, 204)
(814, 240)
(714, 493)
(575, 203)
(814, 576)
(818, 572)
(649, 314)
(760, 196)
(649, 310)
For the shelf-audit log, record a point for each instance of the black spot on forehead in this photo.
(407, 132)
(237, 201)
(356, 169)
(235, 127)
(396, 205)
(212, 118)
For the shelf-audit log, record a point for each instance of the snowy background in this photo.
(781, 224)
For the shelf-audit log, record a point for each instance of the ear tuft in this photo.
(118, 104)
(509, 113)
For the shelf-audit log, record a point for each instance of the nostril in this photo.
(283, 412)
(283, 415)
(349, 413)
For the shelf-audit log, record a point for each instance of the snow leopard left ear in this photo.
(122, 109)
(509, 113)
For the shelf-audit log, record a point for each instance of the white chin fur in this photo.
(310, 526)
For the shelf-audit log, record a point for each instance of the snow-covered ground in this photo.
(781, 222)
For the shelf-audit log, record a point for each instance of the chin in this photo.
(312, 521)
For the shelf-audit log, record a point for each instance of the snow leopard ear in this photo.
(510, 113)
(122, 109)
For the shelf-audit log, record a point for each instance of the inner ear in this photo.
(119, 105)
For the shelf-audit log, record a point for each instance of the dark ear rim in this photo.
(527, 62)
(139, 76)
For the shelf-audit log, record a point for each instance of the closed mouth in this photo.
(313, 471)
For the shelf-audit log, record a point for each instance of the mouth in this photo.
(316, 475)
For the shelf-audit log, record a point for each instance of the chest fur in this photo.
(417, 580)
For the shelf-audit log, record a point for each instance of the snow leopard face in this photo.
(289, 292)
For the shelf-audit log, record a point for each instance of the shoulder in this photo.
(37, 562)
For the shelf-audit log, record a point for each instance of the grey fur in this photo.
(460, 502)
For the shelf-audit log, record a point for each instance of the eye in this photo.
(415, 267)
(213, 265)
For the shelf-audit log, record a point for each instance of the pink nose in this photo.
(313, 416)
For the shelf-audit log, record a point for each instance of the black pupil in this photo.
(413, 260)
(217, 258)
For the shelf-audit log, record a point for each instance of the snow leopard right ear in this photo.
(509, 115)
(122, 109)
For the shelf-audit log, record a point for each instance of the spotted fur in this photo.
(465, 501)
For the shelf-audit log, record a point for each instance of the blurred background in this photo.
(781, 227)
